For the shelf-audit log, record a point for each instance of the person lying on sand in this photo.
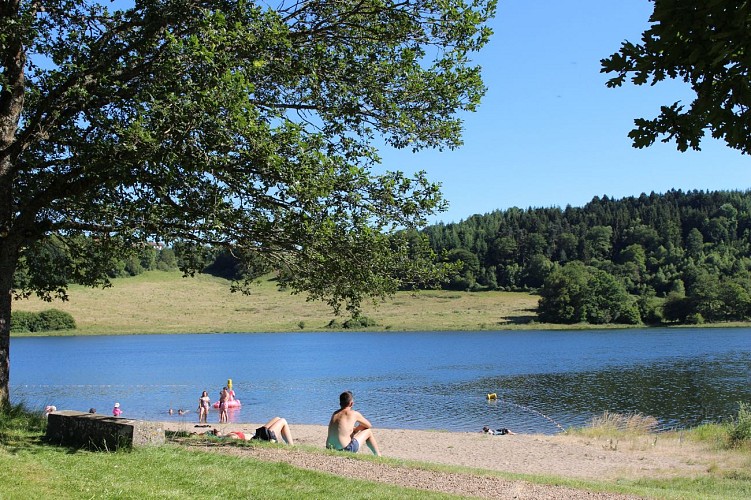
(275, 427)
(229, 435)
(498, 432)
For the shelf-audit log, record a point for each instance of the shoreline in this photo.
(525, 327)
(563, 455)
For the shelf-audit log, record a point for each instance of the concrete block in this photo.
(101, 432)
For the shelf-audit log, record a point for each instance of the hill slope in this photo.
(165, 302)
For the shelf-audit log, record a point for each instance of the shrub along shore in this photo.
(166, 302)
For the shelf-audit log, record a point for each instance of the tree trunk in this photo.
(8, 259)
(12, 62)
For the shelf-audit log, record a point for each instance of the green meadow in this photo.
(167, 302)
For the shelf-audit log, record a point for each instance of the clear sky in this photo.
(550, 133)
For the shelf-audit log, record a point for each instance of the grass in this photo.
(29, 468)
(165, 302)
(640, 432)
(171, 471)
(619, 424)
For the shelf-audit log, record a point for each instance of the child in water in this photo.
(116, 411)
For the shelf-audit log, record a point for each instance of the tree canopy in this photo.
(707, 44)
(227, 123)
(685, 256)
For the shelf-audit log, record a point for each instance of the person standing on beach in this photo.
(203, 407)
(348, 429)
(223, 399)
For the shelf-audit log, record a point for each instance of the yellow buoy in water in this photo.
(492, 395)
(229, 383)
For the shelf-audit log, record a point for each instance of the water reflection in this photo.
(545, 380)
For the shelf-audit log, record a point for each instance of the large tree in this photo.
(247, 125)
(707, 44)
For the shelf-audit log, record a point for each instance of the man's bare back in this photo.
(349, 429)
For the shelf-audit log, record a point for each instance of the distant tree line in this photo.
(55, 256)
(673, 257)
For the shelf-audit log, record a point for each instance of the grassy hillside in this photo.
(160, 302)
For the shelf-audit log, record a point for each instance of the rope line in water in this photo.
(532, 410)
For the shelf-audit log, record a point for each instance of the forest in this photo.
(677, 257)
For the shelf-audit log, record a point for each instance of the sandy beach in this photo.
(566, 456)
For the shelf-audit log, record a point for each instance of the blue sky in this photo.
(550, 133)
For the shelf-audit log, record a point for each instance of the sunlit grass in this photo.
(165, 302)
(620, 424)
(29, 468)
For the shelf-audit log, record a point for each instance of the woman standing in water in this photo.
(223, 399)
(203, 407)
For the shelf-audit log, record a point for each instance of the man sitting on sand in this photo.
(348, 429)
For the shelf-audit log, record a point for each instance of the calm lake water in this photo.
(545, 380)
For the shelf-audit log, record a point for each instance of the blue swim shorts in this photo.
(353, 446)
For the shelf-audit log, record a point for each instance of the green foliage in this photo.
(704, 44)
(467, 270)
(663, 247)
(226, 125)
(740, 430)
(651, 309)
(695, 319)
(359, 322)
(44, 321)
(577, 293)
(353, 323)
(18, 425)
(677, 307)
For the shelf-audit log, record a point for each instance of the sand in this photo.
(563, 455)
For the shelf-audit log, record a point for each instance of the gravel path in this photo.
(564, 456)
(465, 484)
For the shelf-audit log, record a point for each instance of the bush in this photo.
(740, 431)
(55, 319)
(359, 322)
(22, 321)
(45, 321)
(695, 319)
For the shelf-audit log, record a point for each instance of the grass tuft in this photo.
(619, 423)
(739, 433)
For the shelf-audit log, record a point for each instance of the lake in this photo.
(545, 380)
